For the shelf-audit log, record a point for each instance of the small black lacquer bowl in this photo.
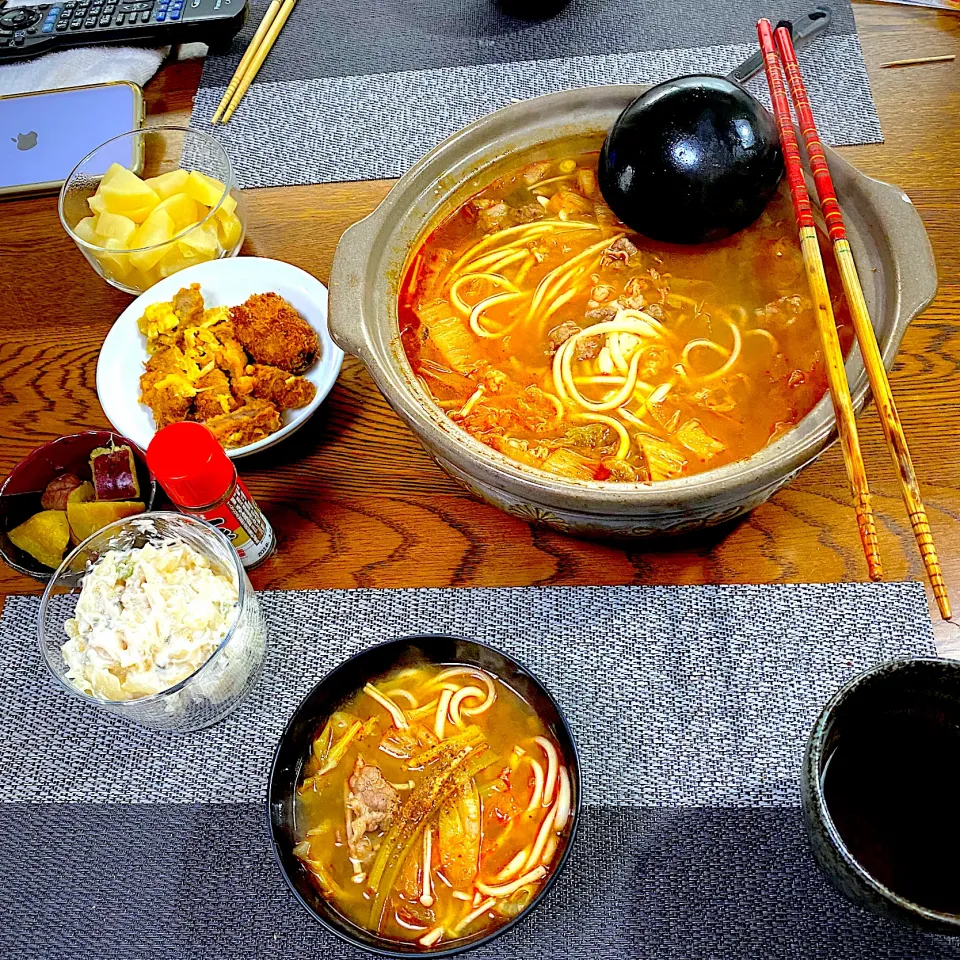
(340, 685)
(875, 705)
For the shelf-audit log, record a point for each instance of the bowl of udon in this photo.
(577, 375)
(424, 796)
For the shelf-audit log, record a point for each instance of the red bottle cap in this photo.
(190, 464)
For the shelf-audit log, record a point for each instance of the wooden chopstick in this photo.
(248, 54)
(817, 278)
(866, 337)
(258, 56)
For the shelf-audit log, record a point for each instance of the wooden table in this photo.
(354, 499)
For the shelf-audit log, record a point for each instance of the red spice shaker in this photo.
(201, 479)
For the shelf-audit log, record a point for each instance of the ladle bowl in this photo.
(691, 160)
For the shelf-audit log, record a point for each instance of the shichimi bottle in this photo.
(200, 479)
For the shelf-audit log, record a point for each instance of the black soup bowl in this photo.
(879, 792)
(329, 694)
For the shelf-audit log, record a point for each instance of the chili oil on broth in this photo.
(434, 806)
(549, 331)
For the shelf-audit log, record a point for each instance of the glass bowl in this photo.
(218, 685)
(121, 258)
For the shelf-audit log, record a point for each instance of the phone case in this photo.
(35, 189)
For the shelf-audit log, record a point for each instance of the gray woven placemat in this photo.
(690, 706)
(359, 89)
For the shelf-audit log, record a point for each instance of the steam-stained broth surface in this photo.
(548, 330)
(439, 766)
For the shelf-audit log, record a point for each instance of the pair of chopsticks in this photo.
(261, 44)
(772, 44)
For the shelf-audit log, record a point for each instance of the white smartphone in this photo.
(44, 135)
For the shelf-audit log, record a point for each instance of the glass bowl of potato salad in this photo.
(153, 619)
(151, 202)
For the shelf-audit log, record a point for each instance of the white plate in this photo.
(226, 282)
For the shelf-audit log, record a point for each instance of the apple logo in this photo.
(25, 141)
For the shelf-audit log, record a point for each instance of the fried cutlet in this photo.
(287, 391)
(213, 397)
(273, 333)
(165, 387)
(253, 421)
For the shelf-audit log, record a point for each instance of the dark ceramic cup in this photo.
(922, 689)
(342, 683)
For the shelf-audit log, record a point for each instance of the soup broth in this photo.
(548, 330)
(434, 806)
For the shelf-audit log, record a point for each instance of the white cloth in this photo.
(78, 66)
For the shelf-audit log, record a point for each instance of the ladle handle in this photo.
(802, 30)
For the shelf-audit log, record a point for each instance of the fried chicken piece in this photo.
(284, 389)
(165, 387)
(213, 396)
(230, 355)
(247, 424)
(272, 332)
(188, 305)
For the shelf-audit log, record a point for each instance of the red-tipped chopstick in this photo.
(823, 310)
(869, 348)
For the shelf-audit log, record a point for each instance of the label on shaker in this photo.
(245, 526)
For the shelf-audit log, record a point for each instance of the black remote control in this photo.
(30, 31)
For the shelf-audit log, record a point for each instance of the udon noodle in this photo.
(546, 329)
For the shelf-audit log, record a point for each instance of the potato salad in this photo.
(147, 618)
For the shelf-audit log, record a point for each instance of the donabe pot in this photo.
(342, 683)
(886, 233)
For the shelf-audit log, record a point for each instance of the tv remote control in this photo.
(30, 31)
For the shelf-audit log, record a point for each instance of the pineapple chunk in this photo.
(167, 184)
(203, 240)
(44, 536)
(229, 228)
(203, 189)
(86, 229)
(113, 226)
(228, 206)
(182, 209)
(97, 204)
(156, 229)
(116, 264)
(125, 193)
(179, 258)
(113, 170)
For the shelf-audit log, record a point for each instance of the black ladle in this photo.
(697, 158)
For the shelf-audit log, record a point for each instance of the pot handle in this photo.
(911, 249)
(348, 278)
(909, 246)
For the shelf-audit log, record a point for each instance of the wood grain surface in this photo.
(356, 502)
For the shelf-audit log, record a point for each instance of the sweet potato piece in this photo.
(44, 536)
(82, 493)
(87, 518)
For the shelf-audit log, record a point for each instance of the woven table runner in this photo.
(360, 89)
(690, 706)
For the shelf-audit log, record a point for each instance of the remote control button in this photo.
(89, 23)
(61, 26)
(175, 15)
(121, 19)
(31, 30)
(19, 41)
(19, 17)
(48, 28)
(4, 41)
(160, 17)
(145, 17)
